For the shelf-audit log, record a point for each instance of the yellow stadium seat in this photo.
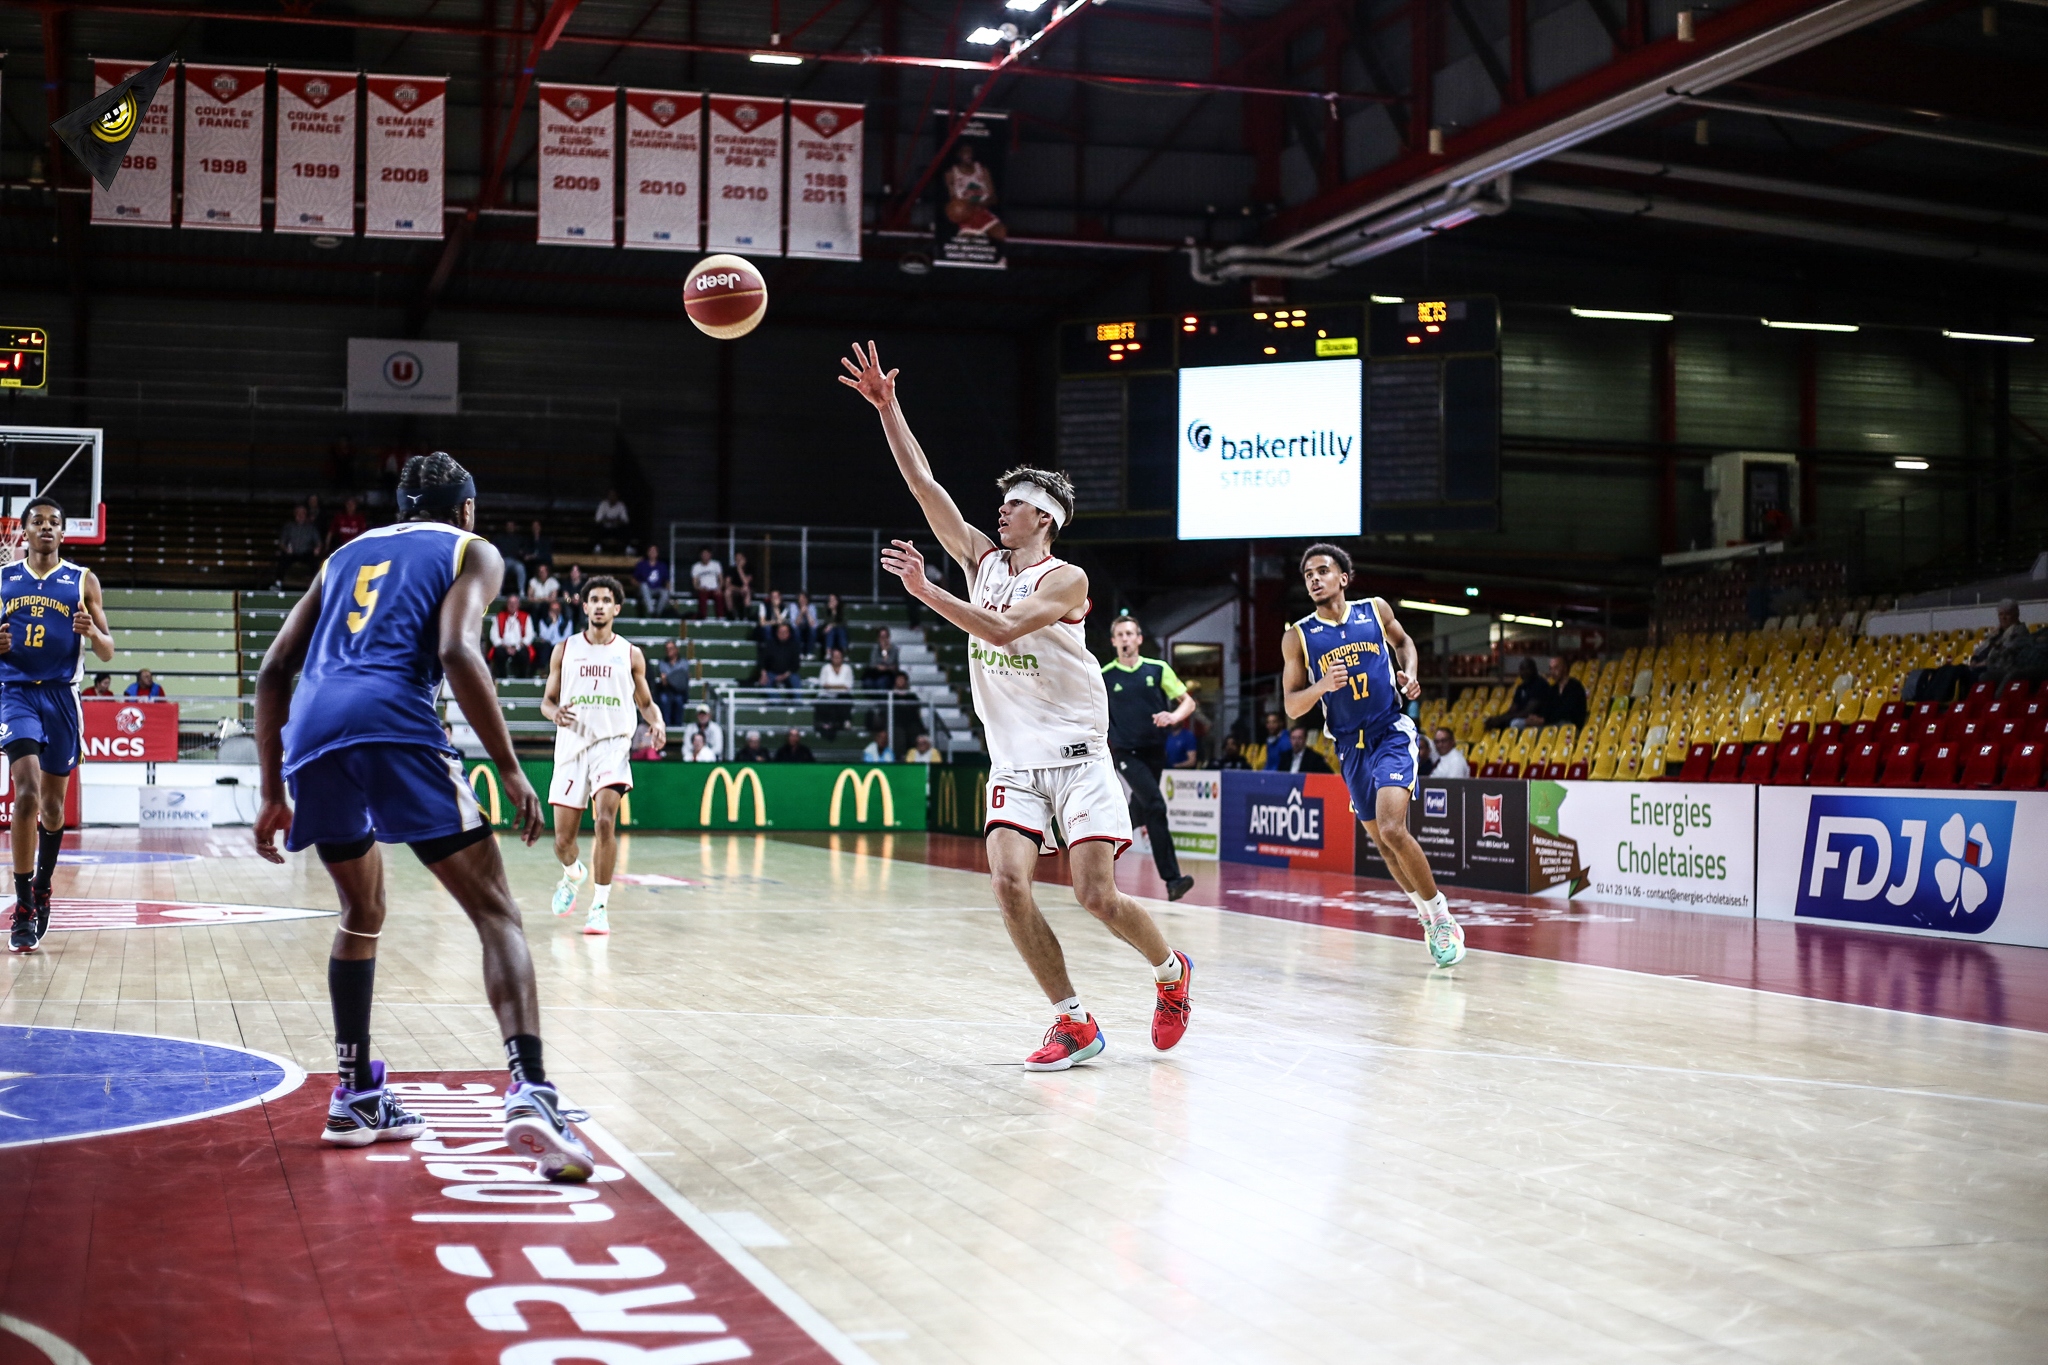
(1849, 709)
(1604, 766)
(1753, 727)
(1873, 703)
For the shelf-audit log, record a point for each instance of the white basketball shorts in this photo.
(1081, 801)
(599, 764)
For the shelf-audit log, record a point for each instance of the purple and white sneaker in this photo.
(537, 1126)
(357, 1118)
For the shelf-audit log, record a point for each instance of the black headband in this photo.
(442, 497)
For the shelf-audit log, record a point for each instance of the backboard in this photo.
(63, 462)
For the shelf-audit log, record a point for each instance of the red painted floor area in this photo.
(1985, 983)
(244, 1240)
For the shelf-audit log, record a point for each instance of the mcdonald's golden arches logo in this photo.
(721, 776)
(484, 782)
(863, 784)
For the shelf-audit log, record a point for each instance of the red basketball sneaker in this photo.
(1068, 1041)
(1170, 1015)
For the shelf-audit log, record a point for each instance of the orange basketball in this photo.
(725, 296)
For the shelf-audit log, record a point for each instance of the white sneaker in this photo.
(600, 922)
(565, 890)
(1445, 938)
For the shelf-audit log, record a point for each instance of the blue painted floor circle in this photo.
(59, 1083)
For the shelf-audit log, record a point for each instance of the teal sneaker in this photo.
(1445, 939)
(565, 891)
(599, 923)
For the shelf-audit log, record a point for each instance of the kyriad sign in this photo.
(1964, 865)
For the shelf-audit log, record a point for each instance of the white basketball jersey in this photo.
(1040, 697)
(597, 684)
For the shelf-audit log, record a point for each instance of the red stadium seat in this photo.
(1798, 732)
(1892, 710)
(2023, 769)
(1490, 770)
(1927, 727)
(1901, 764)
(1860, 731)
(1983, 768)
(1757, 767)
(1576, 772)
(1829, 757)
(1940, 764)
(1510, 770)
(1698, 759)
(1994, 711)
(1826, 730)
(1861, 769)
(1790, 770)
(1727, 766)
(1978, 697)
(1892, 730)
(1554, 772)
(1966, 731)
(2018, 689)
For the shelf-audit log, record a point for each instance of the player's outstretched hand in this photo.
(527, 819)
(274, 819)
(905, 561)
(1335, 677)
(1411, 688)
(867, 377)
(6, 636)
(657, 736)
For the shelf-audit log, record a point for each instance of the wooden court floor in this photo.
(1351, 1158)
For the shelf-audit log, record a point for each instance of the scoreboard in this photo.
(1430, 396)
(24, 357)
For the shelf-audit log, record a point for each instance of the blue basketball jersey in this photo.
(1371, 702)
(375, 656)
(40, 609)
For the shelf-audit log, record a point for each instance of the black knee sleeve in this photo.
(431, 851)
(345, 853)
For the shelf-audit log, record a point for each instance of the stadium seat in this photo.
(1900, 764)
(1993, 711)
(1790, 769)
(1892, 710)
(1859, 732)
(1983, 769)
(1926, 727)
(1826, 731)
(1962, 728)
(1861, 769)
(1604, 766)
(1699, 758)
(1757, 767)
(1576, 772)
(1798, 732)
(1891, 730)
(2018, 689)
(1827, 763)
(2023, 770)
(1509, 770)
(1940, 764)
(1727, 766)
(1490, 770)
(1978, 697)
(1556, 770)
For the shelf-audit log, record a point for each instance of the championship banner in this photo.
(316, 152)
(224, 147)
(745, 183)
(405, 160)
(577, 134)
(966, 194)
(664, 141)
(141, 195)
(825, 180)
(129, 731)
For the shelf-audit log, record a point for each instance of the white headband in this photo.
(1025, 491)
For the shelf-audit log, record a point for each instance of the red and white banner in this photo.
(578, 126)
(316, 152)
(405, 156)
(224, 147)
(130, 731)
(824, 179)
(142, 191)
(664, 140)
(745, 181)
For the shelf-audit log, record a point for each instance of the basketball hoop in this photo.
(13, 543)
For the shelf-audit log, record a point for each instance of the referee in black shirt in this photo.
(1145, 701)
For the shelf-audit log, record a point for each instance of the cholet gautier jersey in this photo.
(41, 608)
(375, 656)
(597, 684)
(1370, 702)
(1040, 697)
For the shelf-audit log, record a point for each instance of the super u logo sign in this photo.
(1906, 861)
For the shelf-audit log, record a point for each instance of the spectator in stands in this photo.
(1183, 747)
(1526, 707)
(298, 545)
(708, 728)
(1566, 704)
(540, 547)
(1991, 654)
(832, 625)
(642, 749)
(347, 524)
(543, 586)
(672, 684)
(512, 638)
(102, 685)
(806, 624)
(511, 544)
(884, 662)
(1450, 759)
(1230, 755)
(772, 613)
(1278, 747)
(739, 588)
(878, 750)
(655, 580)
(1300, 758)
(145, 687)
(793, 749)
(553, 627)
(707, 581)
(835, 680)
(572, 595)
(316, 514)
(780, 662)
(700, 752)
(614, 525)
(904, 710)
(921, 750)
(751, 751)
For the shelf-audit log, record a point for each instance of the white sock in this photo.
(1421, 905)
(1436, 905)
(602, 894)
(1071, 1008)
(573, 872)
(1167, 972)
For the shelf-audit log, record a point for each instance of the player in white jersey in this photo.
(1040, 696)
(596, 681)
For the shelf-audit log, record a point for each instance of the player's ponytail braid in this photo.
(424, 473)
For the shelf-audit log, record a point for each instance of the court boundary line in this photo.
(294, 1077)
(60, 1351)
(777, 1291)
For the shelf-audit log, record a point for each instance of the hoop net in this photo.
(13, 542)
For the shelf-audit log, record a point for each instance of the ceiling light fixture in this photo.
(1620, 315)
(776, 59)
(1386, 298)
(1025, 6)
(1440, 608)
(985, 36)
(1988, 336)
(1909, 464)
(1812, 326)
(1530, 620)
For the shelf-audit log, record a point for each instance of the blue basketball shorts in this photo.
(1372, 759)
(398, 793)
(46, 714)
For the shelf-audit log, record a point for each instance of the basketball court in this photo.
(1610, 1134)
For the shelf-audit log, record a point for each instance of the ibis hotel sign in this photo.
(403, 376)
